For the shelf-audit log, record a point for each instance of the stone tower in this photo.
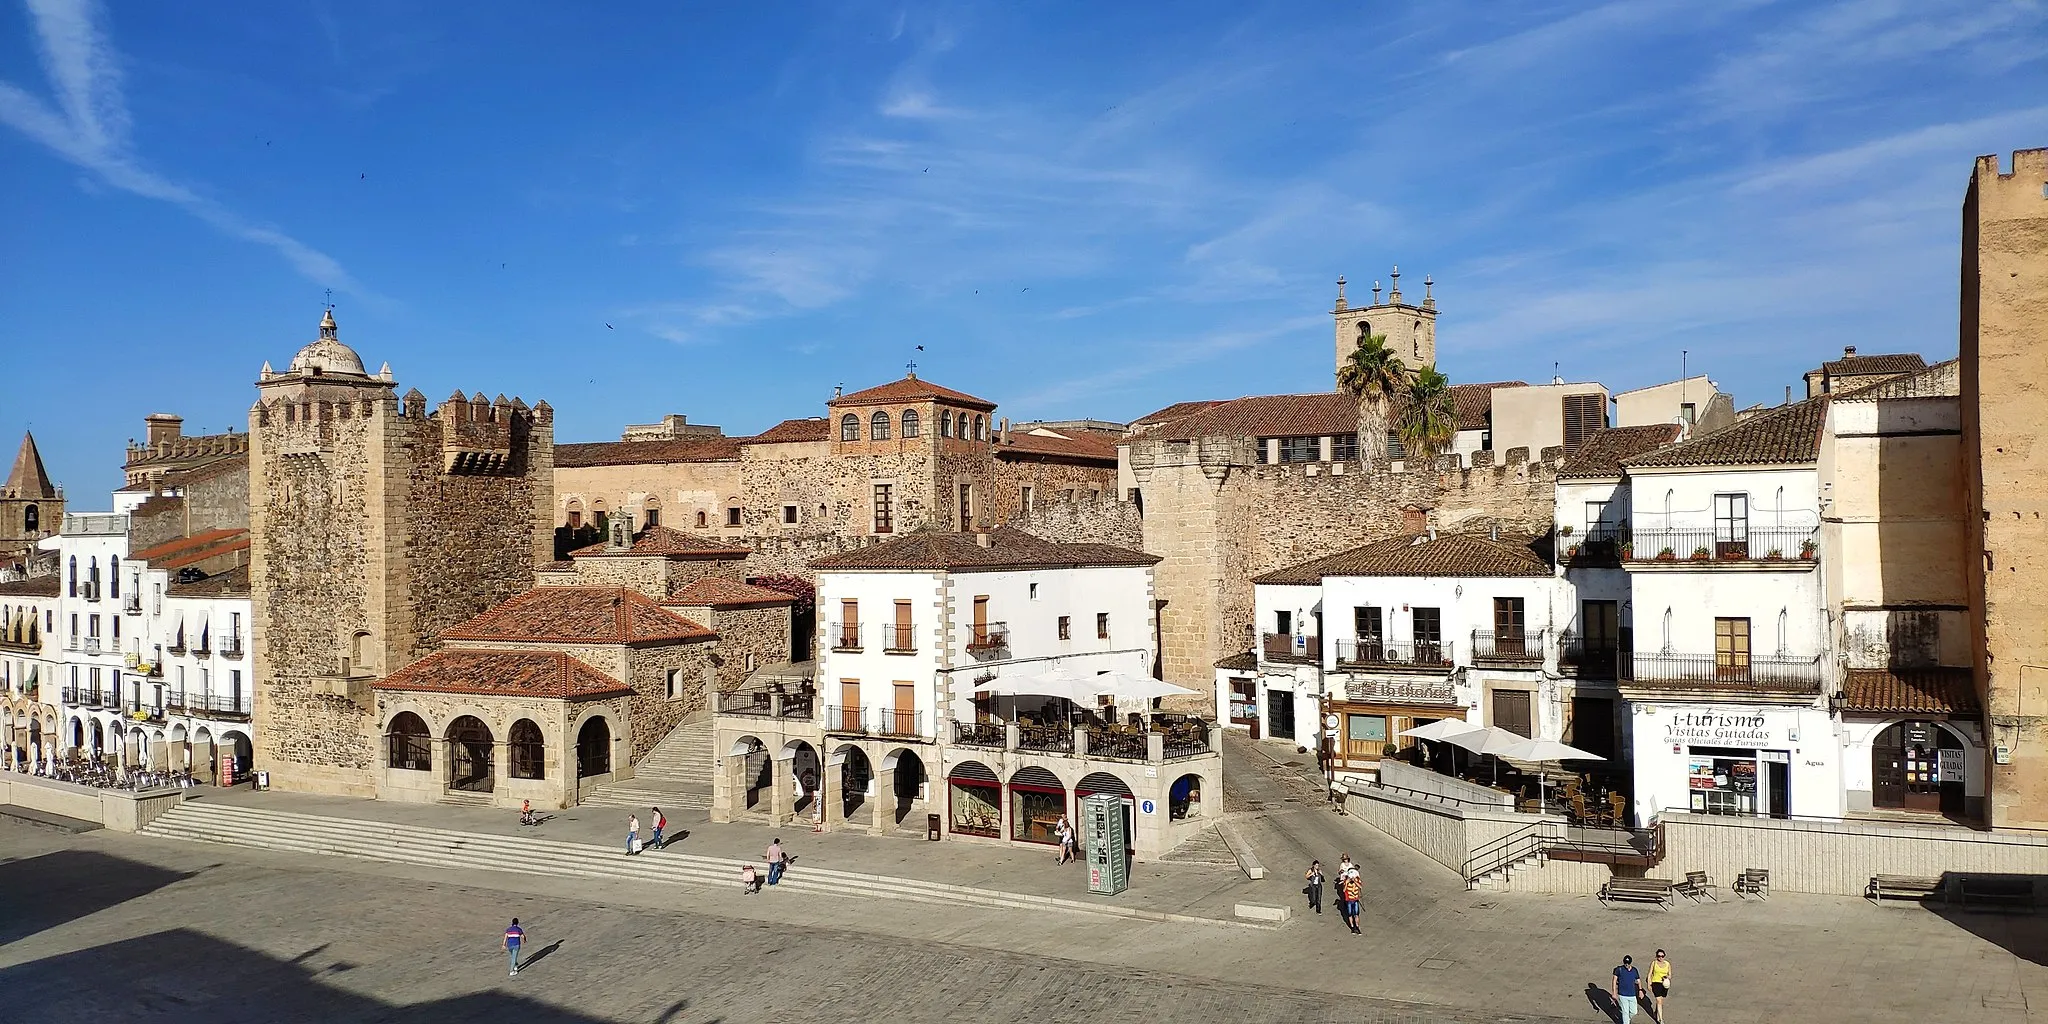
(374, 524)
(2005, 446)
(1410, 330)
(31, 507)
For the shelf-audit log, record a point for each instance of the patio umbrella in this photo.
(1135, 687)
(1546, 752)
(1064, 683)
(1441, 729)
(1490, 740)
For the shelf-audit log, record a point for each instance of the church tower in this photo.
(1410, 330)
(31, 507)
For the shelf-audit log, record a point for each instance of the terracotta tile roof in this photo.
(232, 583)
(1078, 445)
(1942, 380)
(1242, 662)
(1601, 455)
(185, 545)
(579, 615)
(1175, 411)
(507, 673)
(1450, 555)
(910, 389)
(34, 586)
(559, 565)
(810, 428)
(1863, 366)
(661, 540)
(1009, 548)
(719, 592)
(1311, 415)
(1925, 691)
(646, 453)
(1785, 435)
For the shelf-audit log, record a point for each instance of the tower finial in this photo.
(1340, 292)
(1394, 287)
(910, 370)
(1375, 292)
(1428, 300)
(327, 329)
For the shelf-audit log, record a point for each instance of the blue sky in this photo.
(1077, 209)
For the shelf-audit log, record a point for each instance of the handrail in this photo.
(1527, 841)
(1526, 836)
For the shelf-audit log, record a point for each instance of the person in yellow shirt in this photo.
(1660, 984)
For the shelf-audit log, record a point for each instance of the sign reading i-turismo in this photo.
(1719, 728)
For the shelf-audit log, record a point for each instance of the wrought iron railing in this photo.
(989, 636)
(1522, 648)
(1597, 658)
(895, 722)
(846, 720)
(231, 647)
(1380, 656)
(844, 636)
(217, 704)
(1186, 743)
(1729, 671)
(1601, 545)
(1283, 647)
(798, 708)
(1121, 745)
(899, 639)
(980, 734)
(1776, 544)
(1051, 739)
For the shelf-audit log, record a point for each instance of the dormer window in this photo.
(878, 427)
(849, 427)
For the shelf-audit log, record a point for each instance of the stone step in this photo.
(392, 842)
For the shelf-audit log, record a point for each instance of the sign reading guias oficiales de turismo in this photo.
(1719, 728)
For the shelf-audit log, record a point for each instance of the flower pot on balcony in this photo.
(1667, 555)
(1806, 549)
(1572, 552)
(1701, 554)
(1774, 555)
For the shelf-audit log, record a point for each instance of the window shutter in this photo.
(1583, 414)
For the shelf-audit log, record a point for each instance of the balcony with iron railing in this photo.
(896, 722)
(1593, 548)
(81, 696)
(1283, 648)
(140, 712)
(131, 604)
(1521, 649)
(899, 639)
(231, 647)
(994, 735)
(1794, 547)
(30, 643)
(1380, 656)
(1165, 738)
(1046, 739)
(1739, 673)
(210, 705)
(846, 721)
(844, 637)
(90, 645)
(177, 645)
(1595, 658)
(988, 641)
(110, 699)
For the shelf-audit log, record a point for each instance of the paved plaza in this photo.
(105, 927)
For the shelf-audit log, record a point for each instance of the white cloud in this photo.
(89, 127)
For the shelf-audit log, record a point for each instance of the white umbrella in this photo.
(1490, 740)
(1059, 682)
(1135, 687)
(1544, 750)
(1441, 729)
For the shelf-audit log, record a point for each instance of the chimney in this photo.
(163, 427)
(984, 540)
(838, 390)
(1788, 393)
(1006, 430)
(1848, 350)
(1432, 533)
(1493, 532)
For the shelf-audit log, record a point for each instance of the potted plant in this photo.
(1666, 554)
(1774, 555)
(1566, 530)
(1571, 552)
(1628, 551)
(1701, 554)
(1807, 547)
(1390, 750)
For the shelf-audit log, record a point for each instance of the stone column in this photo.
(782, 789)
(203, 760)
(830, 800)
(883, 802)
(1155, 747)
(727, 785)
(179, 750)
(160, 755)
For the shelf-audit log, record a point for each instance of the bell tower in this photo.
(1410, 330)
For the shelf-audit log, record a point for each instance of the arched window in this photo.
(946, 423)
(1364, 331)
(601, 517)
(849, 427)
(594, 748)
(980, 429)
(878, 426)
(910, 425)
(470, 746)
(703, 520)
(31, 518)
(575, 514)
(529, 751)
(650, 512)
(74, 576)
(359, 650)
(114, 577)
(92, 579)
(409, 746)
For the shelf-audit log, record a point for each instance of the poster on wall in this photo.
(1950, 768)
(1742, 776)
(1701, 774)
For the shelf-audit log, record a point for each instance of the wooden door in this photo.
(980, 620)
(905, 712)
(849, 705)
(901, 638)
(1731, 648)
(1511, 712)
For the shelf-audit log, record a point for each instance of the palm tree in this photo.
(1429, 422)
(1374, 375)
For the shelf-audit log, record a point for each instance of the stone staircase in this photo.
(201, 820)
(675, 774)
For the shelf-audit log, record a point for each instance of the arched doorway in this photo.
(1184, 800)
(594, 748)
(907, 783)
(77, 734)
(469, 756)
(99, 740)
(755, 770)
(245, 755)
(529, 751)
(805, 767)
(408, 746)
(856, 774)
(1037, 803)
(1104, 782)
(1906, 770)
(974, 800)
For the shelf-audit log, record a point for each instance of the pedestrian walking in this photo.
(1350, 890)
(1314, 889)
(660, 822)
(1063, 833)
(775, 858)
(1344, 865)
(1660, 984)
(1627, 988)
(515, 937)
(750, 883)
(632, 834)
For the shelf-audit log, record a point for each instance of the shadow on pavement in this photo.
(39, 893)
(539, 955)
(180, 975)
(1603, 1002)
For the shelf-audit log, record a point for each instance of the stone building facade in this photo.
(375, 523)
(31, 507)
(2004, 318)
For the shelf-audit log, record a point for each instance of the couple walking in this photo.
(1628, 987)
(778, 861)
(1350, 889)
(633, 844)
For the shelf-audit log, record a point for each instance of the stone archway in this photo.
(899, 786)
(594, 747)
(748, 757)
(471, 765)
(855, 777)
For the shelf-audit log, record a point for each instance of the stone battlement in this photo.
(182, 448)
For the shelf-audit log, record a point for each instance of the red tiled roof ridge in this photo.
(547, 674)
(910, 389)
(548, 614)
(180, 545)
(1449, 555)
(718, 590)
(664, 540)
(932, 549)
(1789, 434)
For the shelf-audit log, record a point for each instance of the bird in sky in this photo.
(609, 327)
(365, 176)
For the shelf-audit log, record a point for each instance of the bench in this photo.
(1997, 892)
(1754, 882)
(1903, 887)
(1696, 886)
(1637, 890)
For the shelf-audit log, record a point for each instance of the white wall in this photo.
(1466, 605)
(1572, 496)
(877, 671)
(1694, 598)
(1662, 732)
(1779, 499)
(1300, 602)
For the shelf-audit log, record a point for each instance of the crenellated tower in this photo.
(1410, 330)
(375, 522)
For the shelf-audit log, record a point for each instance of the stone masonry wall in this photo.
(1105, 522)
(654, 712)
(761, 632)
